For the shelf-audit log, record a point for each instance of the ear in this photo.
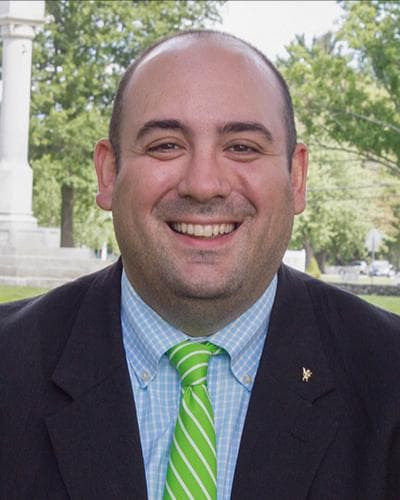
(106, 171)
(298, 176)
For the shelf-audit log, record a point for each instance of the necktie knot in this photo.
(191, 360)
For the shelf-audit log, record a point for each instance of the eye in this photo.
(242, 148)
(165, 146)
(165, 150)
(242, 151)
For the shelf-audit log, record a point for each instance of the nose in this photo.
(205, 178)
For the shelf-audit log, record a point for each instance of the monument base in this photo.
(21, 234)
(30, 255)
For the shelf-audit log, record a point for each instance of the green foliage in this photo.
(313, 268)
(85, 46)
(78, 59)
(392, 239)
(345, 199)
(346, 93)
(347, 86)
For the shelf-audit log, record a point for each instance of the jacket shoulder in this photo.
(64, 297)
(361, 343)
(361, 331)
(348, 309)
(47, 319)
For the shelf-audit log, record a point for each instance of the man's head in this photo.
(203, 199)
(118, 105)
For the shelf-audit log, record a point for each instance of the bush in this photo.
(313, 268)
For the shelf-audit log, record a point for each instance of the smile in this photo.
(203, 230)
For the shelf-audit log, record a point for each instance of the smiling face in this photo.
(203, 201)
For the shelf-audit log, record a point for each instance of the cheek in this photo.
(267, 187)
(145, 182)
(129, 201)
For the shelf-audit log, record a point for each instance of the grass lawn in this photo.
(389, 302)
(9, 292)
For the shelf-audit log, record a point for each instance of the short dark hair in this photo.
(117, 110)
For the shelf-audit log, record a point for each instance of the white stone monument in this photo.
(18, 21)
(28, 254)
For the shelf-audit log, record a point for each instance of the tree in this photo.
(393, 240)
(345, 199)
(346, 92)
(347, 85)
(78, 59)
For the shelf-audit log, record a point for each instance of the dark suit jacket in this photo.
(68, 427)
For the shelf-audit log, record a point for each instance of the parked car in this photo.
(381, 268)
(360, 265)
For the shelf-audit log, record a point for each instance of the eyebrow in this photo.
(160, 124)
(232, 127)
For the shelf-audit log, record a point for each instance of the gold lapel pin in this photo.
(307, 374)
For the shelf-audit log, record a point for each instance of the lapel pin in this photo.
(307, 374)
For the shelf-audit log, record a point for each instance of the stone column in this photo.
(29, 255)
(18, 20)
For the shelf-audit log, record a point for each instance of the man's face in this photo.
(203, 203)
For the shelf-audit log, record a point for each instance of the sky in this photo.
(270, 25)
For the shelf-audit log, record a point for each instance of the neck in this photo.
(199, 317)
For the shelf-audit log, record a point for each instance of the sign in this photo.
(373, 240)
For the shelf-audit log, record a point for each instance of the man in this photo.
(203, 175)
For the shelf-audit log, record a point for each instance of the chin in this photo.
(203, 291)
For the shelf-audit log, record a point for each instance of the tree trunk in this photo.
(67, 216)
(309, 252)
(321, 259)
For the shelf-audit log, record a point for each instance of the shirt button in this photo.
(145, 376)
(247, 379)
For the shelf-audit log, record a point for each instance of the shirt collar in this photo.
(147, 336)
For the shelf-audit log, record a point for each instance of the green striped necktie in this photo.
(192, 467)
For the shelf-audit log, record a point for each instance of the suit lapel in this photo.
(96, 437)
(290, 421)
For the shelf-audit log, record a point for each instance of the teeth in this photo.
(203, 231)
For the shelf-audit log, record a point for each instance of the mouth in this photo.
(203, 230)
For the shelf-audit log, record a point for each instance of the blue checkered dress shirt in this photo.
(156, 384)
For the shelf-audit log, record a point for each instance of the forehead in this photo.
(190, 74)
(211, 46)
